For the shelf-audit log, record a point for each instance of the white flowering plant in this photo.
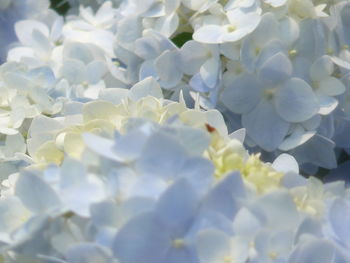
(174, 131)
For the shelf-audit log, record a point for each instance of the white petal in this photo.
(238, 135)
(341, 63)
(327, 104)
(286, 163)
(297, 138)
(25, 28)
(276, 3)
(210, 34)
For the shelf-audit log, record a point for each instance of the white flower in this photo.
(238, 25)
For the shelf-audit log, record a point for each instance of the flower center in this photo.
(292, 53)
(231, 28)
(269, 94)
(178, 243)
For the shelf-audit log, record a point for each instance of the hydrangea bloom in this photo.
(13, 11)
(292, 54)
(128, 200)
(135, 131)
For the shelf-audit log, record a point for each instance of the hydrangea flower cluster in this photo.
(279, 69)
(124, 197)
(174, 131)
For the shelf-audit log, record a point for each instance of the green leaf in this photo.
(182, 38)
(60, 6)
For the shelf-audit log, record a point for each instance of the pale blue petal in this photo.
(147, 87)
(321, 68)
(289, 31)
(141, 239)
(320, 251)
(36, 194)
(278, 209)
(295, 101)
(339, 216)
(199, 173)
(210, 72)
(198, 84)
(273, 47)
(159, 160)
(194, 140)
(88, 253)
(102, 146)
(74, 71)
(248, 54)
(318, 151)
(213, 246)
(129, 146)
(177, 207)
(193, 55)
(105, 213)
(265, 126)
(246, 223)
(147, 47)
(95, 71)
(310, 226)
(77, 51)
(243, 94)
(168, 68)
(225, 197)
(267, 30)
(184, 254)
(331, 86)
(167, 25)
(129, 30)
(148, 69)
(276, 69)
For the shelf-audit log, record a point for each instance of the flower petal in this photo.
(295, 101)
(265, 126)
